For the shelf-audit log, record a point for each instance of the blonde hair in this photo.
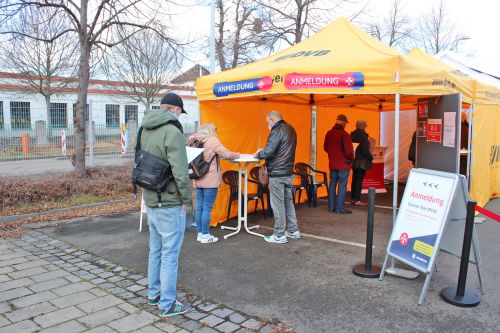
(210, 128)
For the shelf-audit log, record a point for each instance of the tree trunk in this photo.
(49, 120)
(83, 84)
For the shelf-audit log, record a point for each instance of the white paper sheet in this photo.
(449, 129)
(192, 153)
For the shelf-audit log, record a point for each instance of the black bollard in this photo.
(367, 270)
(461, 296)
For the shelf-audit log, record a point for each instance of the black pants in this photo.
(357, 184)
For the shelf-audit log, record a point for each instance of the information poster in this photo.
(422, 213)
(375, 176)
(422, 129)
(434, 130)
(423, 109)
(449, 129)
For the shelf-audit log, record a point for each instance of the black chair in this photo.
(306, 170)
(261, 190)
(231, 179)
(300, 187)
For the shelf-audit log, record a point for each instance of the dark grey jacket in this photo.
(363, 149)
(277, 144)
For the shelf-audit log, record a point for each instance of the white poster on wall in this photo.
(449, 129)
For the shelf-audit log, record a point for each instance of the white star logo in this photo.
(349, 81)
(260, 84)
(403, 239)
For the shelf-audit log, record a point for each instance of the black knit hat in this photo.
(173, 99)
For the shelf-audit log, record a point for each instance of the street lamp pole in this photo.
(212, 37)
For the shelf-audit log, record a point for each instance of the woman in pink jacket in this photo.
(208, 185)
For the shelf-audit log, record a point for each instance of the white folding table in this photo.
(246, 159)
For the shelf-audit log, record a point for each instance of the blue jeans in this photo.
(166, 233)
(206, 199)
(337, 201)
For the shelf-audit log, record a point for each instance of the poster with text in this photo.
(434, 130)
(449, 129)
(423, 109)
(422, 129)
(422, 213)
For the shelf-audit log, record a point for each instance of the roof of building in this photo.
(191, 74)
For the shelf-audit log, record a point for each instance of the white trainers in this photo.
(208, 239)
(198, 239)
(294, 234)
(276, 239)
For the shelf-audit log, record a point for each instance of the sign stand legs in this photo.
(140, 224)
(426, 285)
(478, 261)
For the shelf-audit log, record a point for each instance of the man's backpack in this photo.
(150, 171)
(199, 167)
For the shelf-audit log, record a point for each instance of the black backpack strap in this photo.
(138, 145)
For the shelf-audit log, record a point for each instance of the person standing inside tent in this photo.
(338, 145)
(362, 162)
(464, 143)
(207, 186)
(279, 154)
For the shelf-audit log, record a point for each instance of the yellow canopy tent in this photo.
(484, 178)
(340, 69)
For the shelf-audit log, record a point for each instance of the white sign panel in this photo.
(421, 218)
(449, 129)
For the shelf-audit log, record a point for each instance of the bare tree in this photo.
(235, 41)
(145, 63)
(437, 33)
(96, 24)
(46, 67)
(290, 21)
(394, 29)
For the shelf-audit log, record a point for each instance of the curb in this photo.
(12, 218)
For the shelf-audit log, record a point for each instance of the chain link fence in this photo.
(31, 143)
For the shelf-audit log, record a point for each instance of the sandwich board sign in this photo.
(431, 215)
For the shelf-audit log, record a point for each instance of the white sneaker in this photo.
(208, 239)
(198, 239)
(294, 234)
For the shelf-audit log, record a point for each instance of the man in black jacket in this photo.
(362, 152)
(279, 154)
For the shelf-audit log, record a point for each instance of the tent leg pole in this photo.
(392, 270)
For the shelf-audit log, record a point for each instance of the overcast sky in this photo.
(480, 19)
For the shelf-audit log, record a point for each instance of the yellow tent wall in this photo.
(486, 160)
(233, 118)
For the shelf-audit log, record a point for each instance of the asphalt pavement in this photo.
(308, 283)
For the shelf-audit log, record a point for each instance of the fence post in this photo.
(91, 132)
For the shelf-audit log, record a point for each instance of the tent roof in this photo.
(485, 92)
(339, 60)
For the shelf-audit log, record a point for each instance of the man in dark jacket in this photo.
(338, 145)
(279, 154)
(362, 152)
(162, 136)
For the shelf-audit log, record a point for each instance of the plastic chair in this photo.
(300, 187)
(261, 190)
(306, 170)
(231, 179)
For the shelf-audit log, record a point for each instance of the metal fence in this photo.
(32, 145)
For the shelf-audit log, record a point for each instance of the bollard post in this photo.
(26, 143)
(459, 295)
(368, 270)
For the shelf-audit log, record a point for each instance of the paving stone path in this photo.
(49, 286)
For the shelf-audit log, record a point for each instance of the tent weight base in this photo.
(469, 299)
(373, 273)
(402, 273)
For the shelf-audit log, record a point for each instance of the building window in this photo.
(20, 116)
(86, 112)
(112, 115)
(131, 113)
(58, 115)
(155, 107)
(1, 115)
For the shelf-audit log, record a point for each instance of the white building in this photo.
(24, 112)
